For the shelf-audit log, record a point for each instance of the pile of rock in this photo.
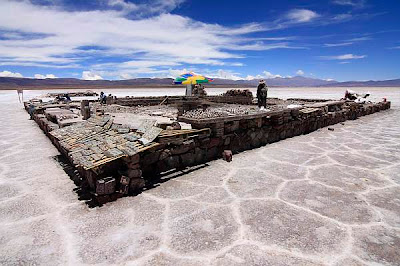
(202, 114)
(238, 93)
(72, 94)
(220, 111)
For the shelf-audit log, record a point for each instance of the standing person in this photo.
(31, 110)
(20, 92)
(262, 91)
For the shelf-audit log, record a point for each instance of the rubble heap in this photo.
(72, 94)
(239, 93)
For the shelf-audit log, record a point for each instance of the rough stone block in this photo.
(200, 155)
(151, 158)
(204, 142)
(134, 166)
(100, 190)
(165, 154)
(125, 180)
(136, 185)
(132, 159)
(109, 185)
(188, 159)
(227, 155)
(124, 189)
(102, 199)
(172, 162)
(134, 173)
(214, 142)
(227, 141)
(212, 153)
(185, 147)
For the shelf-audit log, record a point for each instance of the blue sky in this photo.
(122, 39)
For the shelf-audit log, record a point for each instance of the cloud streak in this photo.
(343, 57)
(338, 44)
(352, 3)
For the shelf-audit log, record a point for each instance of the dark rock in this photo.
(188, 159)
(100, 190)
(227, 141)
(109, 185)
(212, 153)
(200, 155)
(214, 142)
(227, 155)
(103, 199)
(151, 158)
(185, 147)
(134, 173)
(172, 162)
(136, 185)
(125, 180)
(165, 154)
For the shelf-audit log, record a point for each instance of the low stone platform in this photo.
(112, 162)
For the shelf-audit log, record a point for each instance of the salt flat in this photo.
(326, 198)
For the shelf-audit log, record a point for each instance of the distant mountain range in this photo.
(71, 83)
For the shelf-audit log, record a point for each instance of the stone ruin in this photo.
(115, 160)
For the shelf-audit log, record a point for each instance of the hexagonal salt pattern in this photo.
(326, 198)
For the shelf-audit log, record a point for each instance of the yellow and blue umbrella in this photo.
(191, 78)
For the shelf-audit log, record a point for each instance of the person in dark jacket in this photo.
(67, 98)
(262, 91)
(103, 97)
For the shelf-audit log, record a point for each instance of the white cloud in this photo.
(89, 75)
(269, 75)
(9, 74)
(343, 57)
(60, 38)
(360, 39)
(250, 77)
(223, 74)
(236, 64)
(125, 6)
(353, 3)
(348, 42)
(173, 73)
(261, 46)
(110, 33)
(47, 76)
(338, 44)
(344, 62)
(300, 72)
(154, 7)
(342, 17)
(301, 15)
(264, 75)
(125, 76)
(162, 6)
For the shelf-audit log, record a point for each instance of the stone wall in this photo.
(248, 132)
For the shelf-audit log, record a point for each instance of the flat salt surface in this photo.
(326, 198)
